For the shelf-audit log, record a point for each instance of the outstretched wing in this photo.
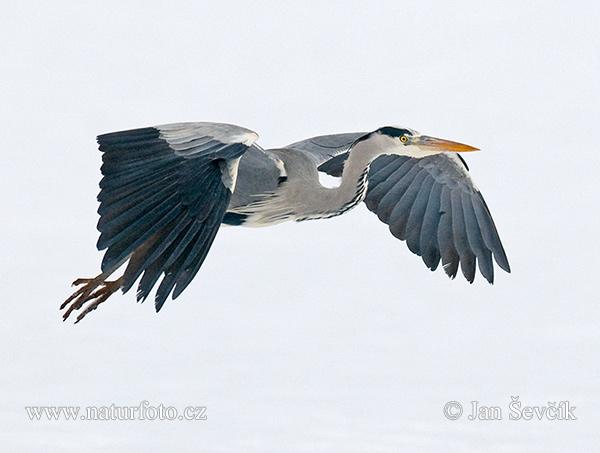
(163, 196)
(432, 203)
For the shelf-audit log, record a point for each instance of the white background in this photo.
(326, 335)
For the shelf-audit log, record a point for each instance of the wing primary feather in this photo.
(129, 156)
(113, 204)
(429, 231)
(483, 254)
(132, 161)
(414, 224)
(467, 258)
(147, 253)
(184, 243)
(197, 256)
(179, 272)
(489, 232)
(379, 188)
(195, 260)
(152, 274)
(389, 200)
(208, 184)
(138, 226)
(118, 181)
(399, 216)
(124, 137)
(448, 252)
(118, 219)
(174, 268)
(124, 247)
(383, 176)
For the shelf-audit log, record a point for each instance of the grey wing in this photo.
(163, 196)
(432, 203)
(328, 150)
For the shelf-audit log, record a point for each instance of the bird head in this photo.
(408, 142)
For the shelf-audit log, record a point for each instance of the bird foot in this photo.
(95, 291)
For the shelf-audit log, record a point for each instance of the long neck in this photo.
(353, 187)
(303, 198)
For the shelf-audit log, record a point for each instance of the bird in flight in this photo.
(166, 190)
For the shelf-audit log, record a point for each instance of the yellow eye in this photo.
(404, 139)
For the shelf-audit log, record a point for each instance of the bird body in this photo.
(300, 196)
(167, 189)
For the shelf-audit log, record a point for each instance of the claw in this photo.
(96, 290)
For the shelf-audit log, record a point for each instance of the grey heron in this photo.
(167, 189)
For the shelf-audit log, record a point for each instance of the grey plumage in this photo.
(166, 190)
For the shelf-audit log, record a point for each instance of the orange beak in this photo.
(440, 145)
